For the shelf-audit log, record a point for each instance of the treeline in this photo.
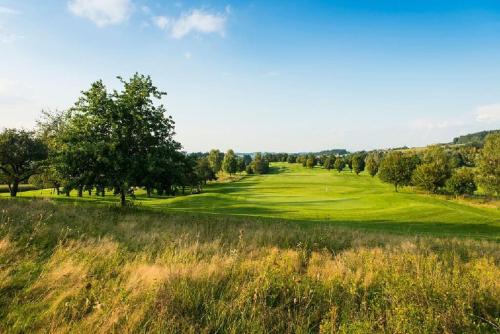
(454, 170)
(113, 141)
(476, 139)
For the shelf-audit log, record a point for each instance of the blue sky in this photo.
(266, 75)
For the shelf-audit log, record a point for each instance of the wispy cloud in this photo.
(195, 21)
(199, 21)
(488, 113)
(161, 22)
(102, 12)
(188, 55)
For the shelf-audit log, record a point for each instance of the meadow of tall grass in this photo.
(79, 268)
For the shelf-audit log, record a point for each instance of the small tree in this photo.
(241, 164)
(249, 170)
(311, 161)
(329, 162)
(348, 161)
(461, 182)
(203, 170)
(247, 159)
(372, 162)
(259, 164)
(292, 159)
(339, 164)
(397, 168)
(21, 156)
(215, 160)
(230, 164)
(434, 171)
(489, 165)
(358, 163)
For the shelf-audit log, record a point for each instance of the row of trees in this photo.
(453, 169)
(113, 141)
(436, 169)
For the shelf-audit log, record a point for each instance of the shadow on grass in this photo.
(261, 215)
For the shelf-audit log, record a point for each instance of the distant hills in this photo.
(473, 138)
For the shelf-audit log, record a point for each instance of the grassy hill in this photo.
(296, 193)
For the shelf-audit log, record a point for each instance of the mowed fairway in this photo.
(294, 192)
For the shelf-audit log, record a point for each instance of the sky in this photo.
(282, 76)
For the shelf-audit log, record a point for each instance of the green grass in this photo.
(68, 268)
(296, 193)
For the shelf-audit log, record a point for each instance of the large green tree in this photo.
(488, 164)
(22, 155)
(119, 138)
(397, 168)
(435, 169)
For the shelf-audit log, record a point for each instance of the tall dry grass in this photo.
(66, 268)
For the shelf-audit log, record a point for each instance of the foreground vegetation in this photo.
(67, 268)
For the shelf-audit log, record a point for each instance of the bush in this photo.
(461, 182)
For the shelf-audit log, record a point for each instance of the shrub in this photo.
(461, 182)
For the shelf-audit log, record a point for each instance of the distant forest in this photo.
(474, 138)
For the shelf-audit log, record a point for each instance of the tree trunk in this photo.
(148, 191)
(80, 191)
(14, 188)
(90, 192)
(396, 187)
(103, 191)
(123, 197)
(58, 191)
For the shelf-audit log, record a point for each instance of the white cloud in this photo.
(102, 12)
(188, 55)
(6, 10)
(161, 21)
(198, 21)
(488, 113)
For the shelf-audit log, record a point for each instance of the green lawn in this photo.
(296, 193)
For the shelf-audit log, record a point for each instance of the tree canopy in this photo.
(397, 168)
(489, 165)
(22, 155)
